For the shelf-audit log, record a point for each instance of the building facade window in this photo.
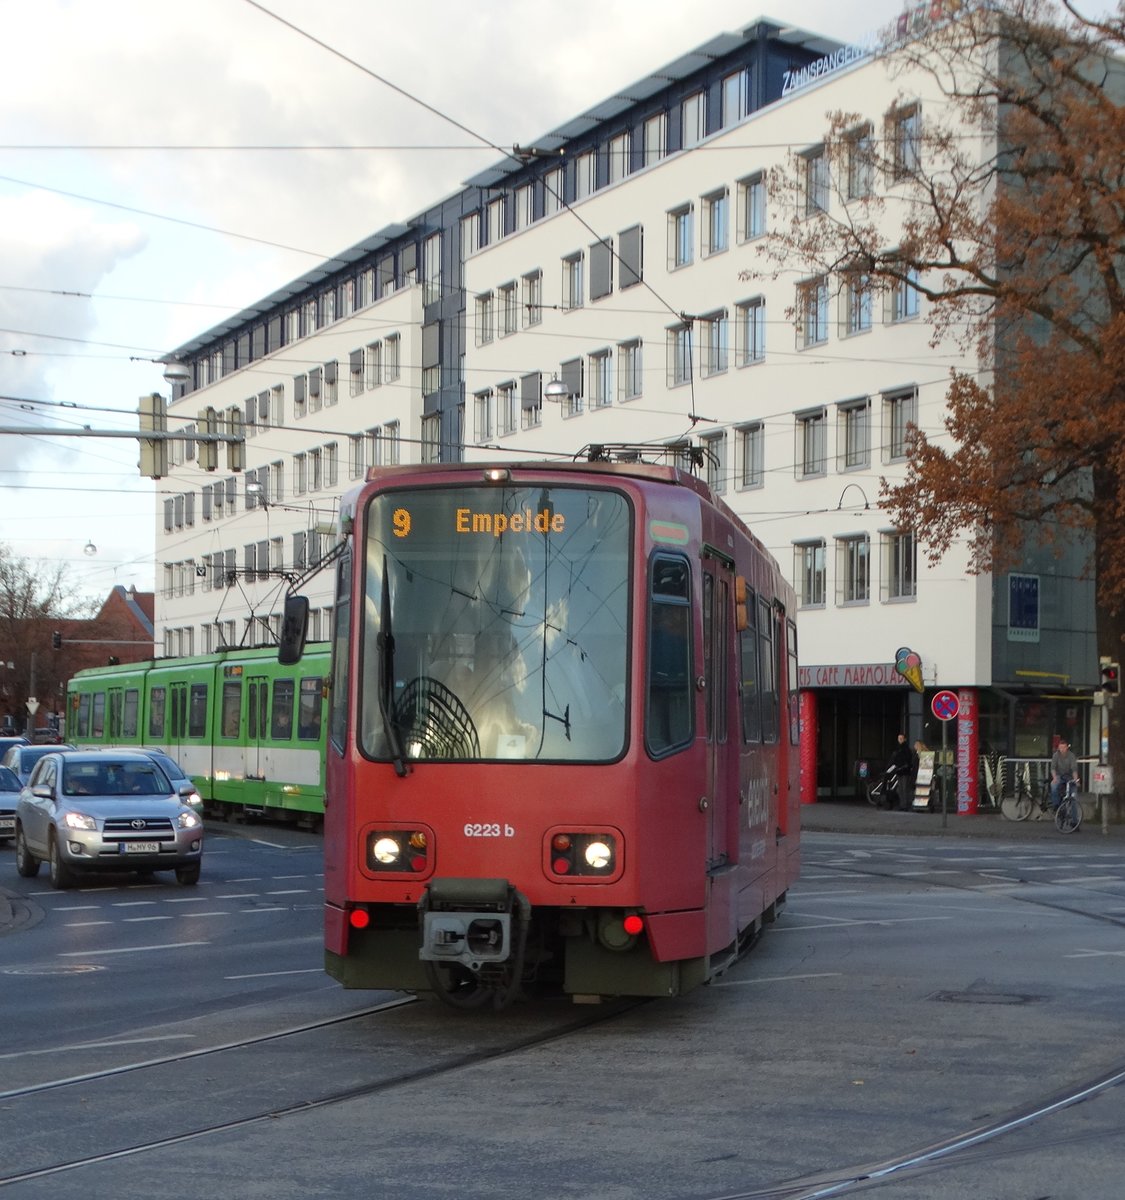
(809, 574)
(853, 435)
(679, 355)
(715, 217)
(733, 91)
(532, 298)
(816, 179)
(714, 343)
(506, 409)
(752, 207)
(904, 297)
(853, 569)
(374, 365)
(430, 449)
(391, 357)
(905, 129)
(572, 289)
(680, 237)
(630, 367)
(812, 310)
(482, 415)
(859, 152)
(812, 444)
(619, 152)
(508, 309)
(715, 461)
(600, 382)
(900, 413)
(692, 121)
(552, 192)
(485, 319)
(751, 455)
(585, 175)
(655, 138)
(900, 566)
(751, 331)
(856, 299)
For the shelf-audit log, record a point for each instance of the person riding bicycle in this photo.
(1064, 768)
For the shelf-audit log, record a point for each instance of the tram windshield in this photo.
(496, 624)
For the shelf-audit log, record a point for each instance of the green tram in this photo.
(249, 731)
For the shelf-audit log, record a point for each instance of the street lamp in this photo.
(556, 392)
(89, 549)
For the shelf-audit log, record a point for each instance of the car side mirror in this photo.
(187, 789)
(43, 792)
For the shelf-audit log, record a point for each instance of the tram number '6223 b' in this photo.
(477, 829)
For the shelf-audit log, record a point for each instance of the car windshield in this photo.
(114, 779)
(9, 780)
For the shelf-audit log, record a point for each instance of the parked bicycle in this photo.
(1020, 805)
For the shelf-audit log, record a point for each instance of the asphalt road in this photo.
(931, 1016)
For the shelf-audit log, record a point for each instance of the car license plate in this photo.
(7, 824)
(140, 847)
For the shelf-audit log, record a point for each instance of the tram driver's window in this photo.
(669, 709)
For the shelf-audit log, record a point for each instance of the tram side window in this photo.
(767, 668)
(281, 721)
(84, 715)
(751, 686)
(98, 726)
(232, 708)
(669, 708)
(197, 710)
(115, 713)
(309, 709)
(129, 715)
(156, 703)
(794, 685)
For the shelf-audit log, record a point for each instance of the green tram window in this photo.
(197, 711)
(156, 705)
(84, 715)
(97, 728)
(669, 710)
(309, 709)
(232, 708)
(129, 714)
(281, 721)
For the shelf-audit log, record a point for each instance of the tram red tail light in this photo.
(633, 924)
(398, 850)
(359, 918)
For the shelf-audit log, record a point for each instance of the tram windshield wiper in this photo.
(385, 644)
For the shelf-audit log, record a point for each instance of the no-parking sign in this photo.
(944, 706)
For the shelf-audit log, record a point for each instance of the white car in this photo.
(104, 811)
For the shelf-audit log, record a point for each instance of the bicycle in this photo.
(1020, 806)
(886, 789)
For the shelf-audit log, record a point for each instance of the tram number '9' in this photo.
(401, 521)
(479, 830)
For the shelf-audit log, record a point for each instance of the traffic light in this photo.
(209, 451)
(1111, 678)
(153, 418)
(56, 640)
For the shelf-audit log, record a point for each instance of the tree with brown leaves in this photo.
(1014, 231)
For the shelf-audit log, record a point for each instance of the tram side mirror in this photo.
(294, 630)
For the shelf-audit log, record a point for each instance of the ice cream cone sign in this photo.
(909, 666)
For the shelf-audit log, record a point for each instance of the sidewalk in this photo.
(859, 817)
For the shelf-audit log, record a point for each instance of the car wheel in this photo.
(26, 862)
(62, 876)
(189, 875)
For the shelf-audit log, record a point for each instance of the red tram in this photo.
(562, 743)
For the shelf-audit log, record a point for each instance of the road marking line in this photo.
(776, 979)
(1097, 954)
(840, 922)
(131, 949)
(131, 903)
(271, 974)
(167, 1037)
(134, 920)
(291, 892)
(84, 924)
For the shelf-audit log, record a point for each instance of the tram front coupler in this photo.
(468, 922)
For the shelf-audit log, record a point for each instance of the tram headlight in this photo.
(386, 851)
(598, 855)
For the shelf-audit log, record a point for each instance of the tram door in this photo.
(176, 729)
(721, 791)
(115, 698)
(257, 735)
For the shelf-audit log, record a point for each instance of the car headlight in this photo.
(189, 819)
(78, 820)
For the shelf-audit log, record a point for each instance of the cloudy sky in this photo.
(163, 165)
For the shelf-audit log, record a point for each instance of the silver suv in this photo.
(98, 810)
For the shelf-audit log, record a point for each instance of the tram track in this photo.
(438, 1065)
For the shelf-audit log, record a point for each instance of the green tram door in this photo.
(257, 735)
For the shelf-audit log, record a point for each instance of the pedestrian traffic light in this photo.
(56, 640)
(1111, 678)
